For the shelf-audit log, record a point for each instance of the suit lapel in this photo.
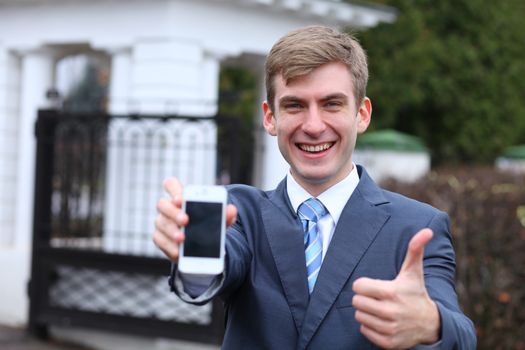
(285, 236)
(358, 226)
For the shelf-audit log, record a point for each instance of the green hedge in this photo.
(487, 210)
(389, 139)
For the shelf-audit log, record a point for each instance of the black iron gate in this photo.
(97, 178)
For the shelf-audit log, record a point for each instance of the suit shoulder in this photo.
(245, 193)
(408, 204)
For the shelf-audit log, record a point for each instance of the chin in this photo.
(314, 178)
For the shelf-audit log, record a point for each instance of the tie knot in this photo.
(312, 210)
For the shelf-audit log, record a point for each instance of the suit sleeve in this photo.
(457, 330)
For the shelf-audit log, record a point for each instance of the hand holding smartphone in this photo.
(202, 251)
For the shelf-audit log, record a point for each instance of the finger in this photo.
(168, 236)
(372, 306)
(170, 247)
(413, 262)
(378, 324)
(381, 340)
(169, 228)
(374, 288)
(174, 188)
(167, 209)
(231, 214)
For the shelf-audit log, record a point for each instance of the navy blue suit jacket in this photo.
(265, 289)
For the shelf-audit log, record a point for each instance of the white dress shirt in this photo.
(334, 199)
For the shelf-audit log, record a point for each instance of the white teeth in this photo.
(317, 148)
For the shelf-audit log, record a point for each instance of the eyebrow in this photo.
(292, 98)
(289, 98)
(336, 96)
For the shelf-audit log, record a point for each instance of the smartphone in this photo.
(202, 251)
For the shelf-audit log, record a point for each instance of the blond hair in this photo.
(302, 50)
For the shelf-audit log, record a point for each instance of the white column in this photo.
(174, 77)
(9, 99)
(36, 76)
(120, 81)
(270, 166)
(157, 76)
(36, 79)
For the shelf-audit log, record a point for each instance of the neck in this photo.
(315, 188)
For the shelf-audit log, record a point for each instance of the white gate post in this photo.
(9, 109)
(36, 77)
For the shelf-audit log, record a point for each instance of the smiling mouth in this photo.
(315, 148)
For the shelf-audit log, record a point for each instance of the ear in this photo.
(364, 114)
(269, 119)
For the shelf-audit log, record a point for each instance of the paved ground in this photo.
(18, 339)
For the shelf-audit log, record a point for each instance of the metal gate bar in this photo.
(73, 266)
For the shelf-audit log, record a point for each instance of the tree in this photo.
(452, 73)
(237, 102)
(90, 93)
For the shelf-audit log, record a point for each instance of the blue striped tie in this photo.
(310, 212)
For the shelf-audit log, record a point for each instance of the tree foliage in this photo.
(237, 102)
(90, 93)
(451, 72)
(238, 94)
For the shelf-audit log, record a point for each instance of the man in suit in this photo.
(327, 260)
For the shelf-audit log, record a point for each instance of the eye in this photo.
(333, 105)
(293, 106)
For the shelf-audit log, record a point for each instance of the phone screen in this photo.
(203, 232)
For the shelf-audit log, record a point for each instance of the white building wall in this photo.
(516, 166)
(398, 165)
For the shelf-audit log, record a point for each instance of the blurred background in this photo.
(101, 100)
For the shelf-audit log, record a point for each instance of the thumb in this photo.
(173, 187)
(231, 214)
(413, 262)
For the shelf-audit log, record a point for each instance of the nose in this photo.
(313, 123)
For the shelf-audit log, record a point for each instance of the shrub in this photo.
(487, 210)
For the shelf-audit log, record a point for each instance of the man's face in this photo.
(316, 123)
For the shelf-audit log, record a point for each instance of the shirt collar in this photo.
(333, 198)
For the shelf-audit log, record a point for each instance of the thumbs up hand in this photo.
(399, 314)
